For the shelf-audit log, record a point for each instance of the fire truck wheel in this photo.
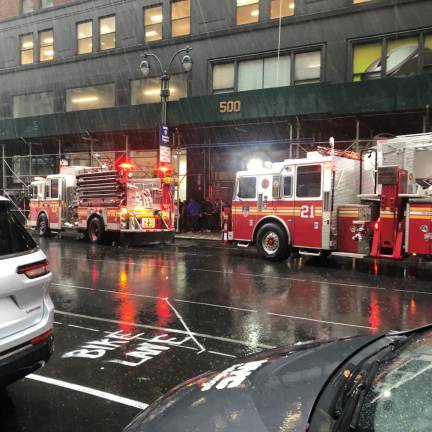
(43, 225)
(96, 230)
(272, 242)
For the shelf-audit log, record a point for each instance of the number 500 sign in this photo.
(230, 106)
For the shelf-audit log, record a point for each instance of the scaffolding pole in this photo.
(4, 178)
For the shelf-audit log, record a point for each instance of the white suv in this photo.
(26, 309)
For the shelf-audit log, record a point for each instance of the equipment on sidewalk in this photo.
(376, 203)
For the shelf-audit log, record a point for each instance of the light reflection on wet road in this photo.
(185, 297)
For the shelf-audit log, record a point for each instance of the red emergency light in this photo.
(165, 170)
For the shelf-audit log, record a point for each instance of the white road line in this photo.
(90, 391)
(413, 291)
(350, 285)
(320, 321)
(203, 335)
(222, 354)
(220, 306)
(58, 323)
(215, 305)
(249, 274)
(201, 347)
(110, 291)
(84, 328)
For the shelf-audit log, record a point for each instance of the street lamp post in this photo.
(166, 74)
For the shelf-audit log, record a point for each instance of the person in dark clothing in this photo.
(183, 224)
(207, 214)
(194, 214)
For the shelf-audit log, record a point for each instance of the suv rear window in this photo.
(13, 236)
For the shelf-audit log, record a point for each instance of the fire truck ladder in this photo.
(100, 188)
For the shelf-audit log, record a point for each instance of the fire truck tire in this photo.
(272, 242)
(96, 230)
(43, 225)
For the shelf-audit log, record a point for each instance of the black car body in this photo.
(324, 386)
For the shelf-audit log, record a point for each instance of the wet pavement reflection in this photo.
(135, 322)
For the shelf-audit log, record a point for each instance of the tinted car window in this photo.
(13, 236)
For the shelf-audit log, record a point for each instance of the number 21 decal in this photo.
(307, 212)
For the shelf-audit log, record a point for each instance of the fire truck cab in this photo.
(102, 200)
(377, 203)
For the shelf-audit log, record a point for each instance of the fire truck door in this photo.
(52, 203)
(308, 207)
(245, 206)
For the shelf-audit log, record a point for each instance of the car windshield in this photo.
(400, 394)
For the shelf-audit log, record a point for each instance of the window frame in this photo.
(145, 9)
(236, 9)
(100, 34)
(29, 49)
(41, 46)
(308, 198)
(384, 40)
(172, 20)
(238, 197)
(78, 39)
(283, 16)
(47, 92)
(283, 194)
(262, 56)
(65, 95)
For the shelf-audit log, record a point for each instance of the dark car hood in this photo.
(268, 392)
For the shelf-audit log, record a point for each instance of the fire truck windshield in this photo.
(144, 193)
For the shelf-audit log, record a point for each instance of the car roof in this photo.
(3, 198)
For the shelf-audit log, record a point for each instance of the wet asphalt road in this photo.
(133, 323)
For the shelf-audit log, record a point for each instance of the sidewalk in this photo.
(215, 236)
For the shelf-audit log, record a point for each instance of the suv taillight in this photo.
(34, 270)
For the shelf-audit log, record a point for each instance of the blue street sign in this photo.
(164, 135)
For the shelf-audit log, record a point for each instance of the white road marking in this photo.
(89, 390)
(413, 291)
(129, 323)
(222, 354)
(84, 328)
(58, 323)
(221, 306)
(320, 321)
(249, 274)
(350, 285)
(215, 305)
(201, 347)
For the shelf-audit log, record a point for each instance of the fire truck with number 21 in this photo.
(376, 203)
(103, 201)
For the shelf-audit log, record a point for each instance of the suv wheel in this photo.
(96, 230)
(43, 225)
(272, 242)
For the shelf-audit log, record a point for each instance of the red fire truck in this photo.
(377, 203)
(101, 201)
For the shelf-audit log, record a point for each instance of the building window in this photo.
(307, 67)
(27, 49)
(46, 45)
(27, 6)
(277, 71)
(402, 57)
(267, 72)
(107, 33)
(85, 37)
(360, 1)
(153, 23)
(223, 78)
(47, 3)
(35, 104)
(180, 18)
(147, 91)
(94, 97)
(247, 11)
(282, 8)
